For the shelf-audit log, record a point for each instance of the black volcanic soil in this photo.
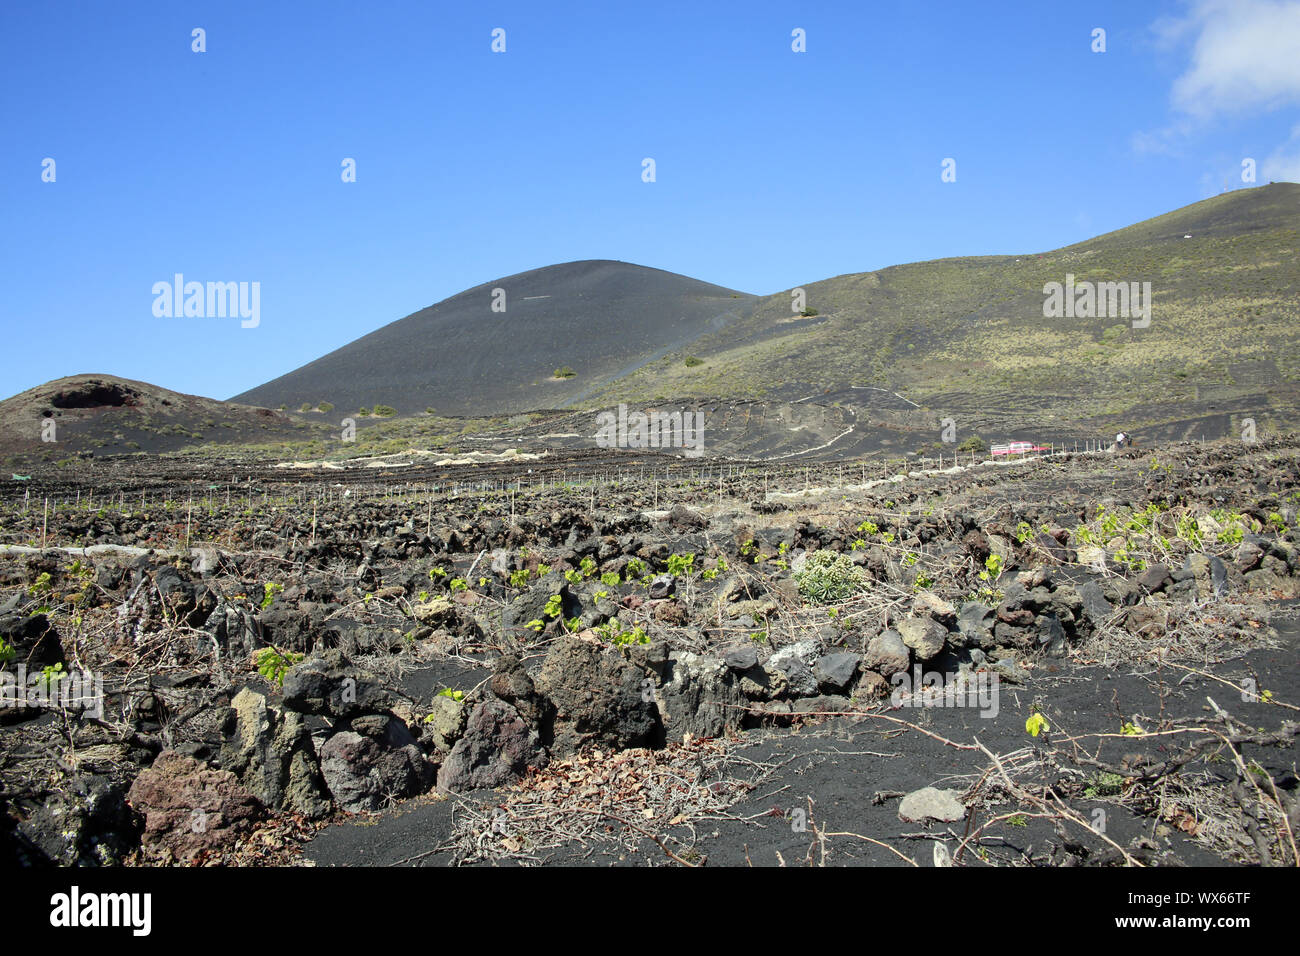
(89, 415)
(463, 358)
(709, 741)
(835, 767)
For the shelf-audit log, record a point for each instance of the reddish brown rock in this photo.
(189, 809)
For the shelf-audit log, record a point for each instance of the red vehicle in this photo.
(1017, 448)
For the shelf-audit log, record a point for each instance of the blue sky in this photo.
(773, 168)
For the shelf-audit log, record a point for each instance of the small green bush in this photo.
(681, 565)
(828, 577)
(269, 591)
(273, 665)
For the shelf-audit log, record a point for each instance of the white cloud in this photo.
(1245, 56)
(1283, 164)
(1167, 140)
